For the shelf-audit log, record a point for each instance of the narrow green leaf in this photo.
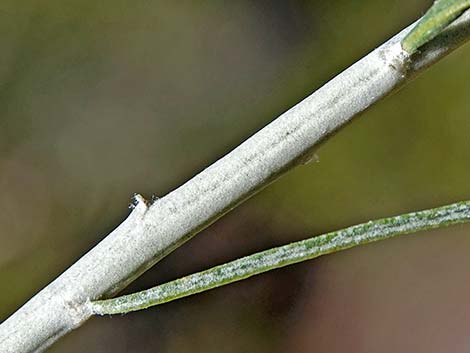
(285, 255)
(438, 17)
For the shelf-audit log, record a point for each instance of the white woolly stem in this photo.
(151, 232)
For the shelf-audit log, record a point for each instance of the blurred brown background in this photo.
(99, 100)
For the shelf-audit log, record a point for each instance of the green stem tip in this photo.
(285, 255)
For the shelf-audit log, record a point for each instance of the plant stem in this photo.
(153, 231)
(286, 255)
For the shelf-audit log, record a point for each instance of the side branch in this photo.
(152, 232)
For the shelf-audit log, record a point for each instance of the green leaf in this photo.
(286, 255)
(438, 17)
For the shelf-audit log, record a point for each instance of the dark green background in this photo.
(99, 100)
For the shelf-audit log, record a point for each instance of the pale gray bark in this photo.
(151, 232)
